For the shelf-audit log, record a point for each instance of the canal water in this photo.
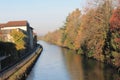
(56, 63)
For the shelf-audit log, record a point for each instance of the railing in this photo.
(9, 70)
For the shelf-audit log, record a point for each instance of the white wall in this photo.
(25, 28)
(15, 27)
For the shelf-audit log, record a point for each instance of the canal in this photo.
(56, 63)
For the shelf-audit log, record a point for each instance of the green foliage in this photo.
(115, 54)
(90, 54)
(18, 39)
(63, 37)
(80, 51)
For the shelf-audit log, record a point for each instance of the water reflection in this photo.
(50, 65)
(82, 68)
(57, 63)
(73, 64)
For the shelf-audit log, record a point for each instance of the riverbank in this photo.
(108, 62)
(23, 68)
(93, 34)
(99, 59)
(69, 66)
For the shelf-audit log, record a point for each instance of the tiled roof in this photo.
(16, 23)
(2, 25)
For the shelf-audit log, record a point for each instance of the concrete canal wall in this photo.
(23, 68)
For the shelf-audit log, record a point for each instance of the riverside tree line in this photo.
(94, 32)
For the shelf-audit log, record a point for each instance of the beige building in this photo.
(21, 25)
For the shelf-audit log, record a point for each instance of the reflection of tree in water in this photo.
(97, 71)
(82, 68)
(92, 69)
(73, 64)
(110, 74)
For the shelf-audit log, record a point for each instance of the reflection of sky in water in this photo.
(61, 64)
(50, 65)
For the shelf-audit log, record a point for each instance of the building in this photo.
(6, 28)
(5, 36)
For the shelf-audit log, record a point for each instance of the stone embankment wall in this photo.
(21, 70)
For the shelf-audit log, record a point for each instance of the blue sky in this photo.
(43, 15)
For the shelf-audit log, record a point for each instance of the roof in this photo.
(2, 25)
(16, 23)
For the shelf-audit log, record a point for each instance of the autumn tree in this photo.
(94, 33)
(19, 38)
(54, 37)
(71, 28)
(115, 36)
(115, 29)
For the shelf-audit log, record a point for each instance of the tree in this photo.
(19, 39)
(115, 36)
(71, 28)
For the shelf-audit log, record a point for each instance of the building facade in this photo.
(6, 28)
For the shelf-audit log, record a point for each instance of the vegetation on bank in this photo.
(9, 51)
(22, 72)
(94, 33)
(14, 50)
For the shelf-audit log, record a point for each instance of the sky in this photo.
(43, 15)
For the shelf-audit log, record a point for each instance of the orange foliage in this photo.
(115, 20)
